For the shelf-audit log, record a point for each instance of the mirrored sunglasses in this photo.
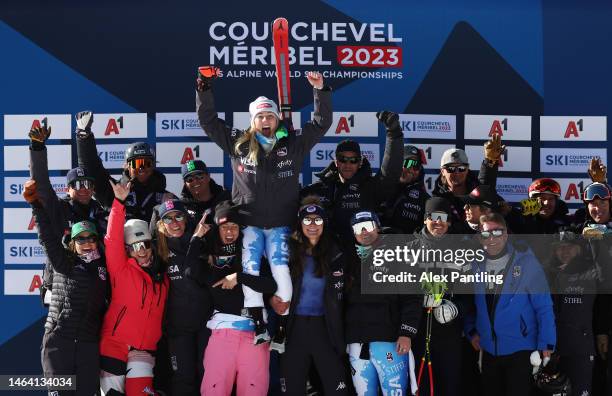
(491, 233)
(308, 221)
(435, 216)
(351, 160)
(137, 246)
(369, 226)
(85, 183)
(178, 218)
(81, 240)
(455, 169)
(410, 163)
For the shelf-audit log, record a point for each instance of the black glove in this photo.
(205, 76)
(84, 121)
(389, 119)
(38, 136)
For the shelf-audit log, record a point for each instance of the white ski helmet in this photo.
(136, 231)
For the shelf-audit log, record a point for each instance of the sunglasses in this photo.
(455, 169)
(78, 184)
(435, 216)
(596, 190)
(369, 226)
(492, 233)
(177, 218)
(410, 163)
(141, 163)
(193, 178)
(81, 240)
(136, 246)
(309, 220)
(351, 160)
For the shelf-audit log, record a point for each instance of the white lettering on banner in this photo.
(513, 189)
(428, 126)
(179, 124)
(22, 282)
(569, 160)
(482, 127)
(13, 187)
(17, 126)
(514, 159)
(120, 125)
(112, 155)
(323, 153)
(572, 189)
(431, 153)
(571, 129)
(176, 154)
(348, 125)
(18, 220)
(23, 251)
(17, 158)
(174, 182)
(242, 119)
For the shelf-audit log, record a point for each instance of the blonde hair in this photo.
(162, 243)
(248, 136)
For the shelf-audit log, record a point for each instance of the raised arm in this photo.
(322, 116)
(116, 257)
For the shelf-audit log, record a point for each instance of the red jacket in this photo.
(136, 310)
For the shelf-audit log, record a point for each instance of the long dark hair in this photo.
(299, 245)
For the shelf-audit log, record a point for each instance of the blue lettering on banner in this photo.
(568, 160)
(325, 155)
(179, 125)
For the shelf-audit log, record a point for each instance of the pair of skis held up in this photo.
(280, 38)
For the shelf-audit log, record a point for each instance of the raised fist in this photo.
(205, 76)
(389, 119)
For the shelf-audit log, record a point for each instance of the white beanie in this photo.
(136, 230)
(262, 104)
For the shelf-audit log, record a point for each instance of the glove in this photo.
(531, 206)
(597, 170)
(494, 149)
(205, 76)
(446, 312)
(389, 119)
(38, 136)
(430, 301)
(29, 192)
(84, 119)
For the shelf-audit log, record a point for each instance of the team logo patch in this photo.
(353, 187)
(414, 193)
(311, 209)
(389, 356)
(516, 271)
(338, 273)
(169, 205)
(281, 152)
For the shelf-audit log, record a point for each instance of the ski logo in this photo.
(389, 356)
(282, 152)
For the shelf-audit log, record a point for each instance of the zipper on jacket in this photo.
(144, 293)
(119, 318)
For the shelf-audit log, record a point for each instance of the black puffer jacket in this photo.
(142, 199)
(79, 288)
(196, 209)
(363, 191)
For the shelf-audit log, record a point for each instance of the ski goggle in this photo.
(309, 220)
(369, 226)
(137, 246)
(199, 176)
(141, 163)
(178, 218)
(596, 190)
(455, 169)
(84, 183)
(410, 163)
(435, 216)
(541, 186)
(351, 160)
(81, 240)
(491, 233)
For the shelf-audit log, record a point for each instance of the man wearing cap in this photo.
(148, 184)
(200, 192)
(347, 185)
(405, 210)
(77, 206)
(266, 161)
(456, 179)
(480, 201)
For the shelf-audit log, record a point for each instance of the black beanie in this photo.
(437, 204)
(225, 213)
(348, 145)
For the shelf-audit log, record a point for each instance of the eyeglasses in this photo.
(596, 190)
(78, 184)
(141, 163)
(136, 246)
(177, 218)
(369, 226)
(81, 240)
(193, 178)
(491, 233)
(309, 220)
(410, 163)
(351, 160)
(435, 216)
(455, 169)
